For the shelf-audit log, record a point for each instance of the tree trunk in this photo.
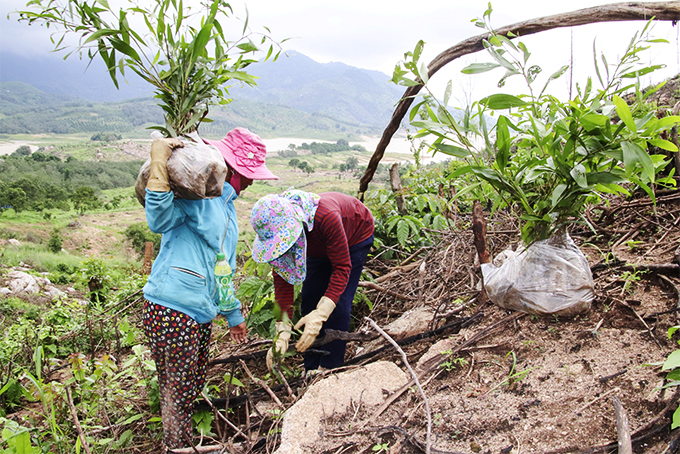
(628, 11)
(148, 257)
(479, 230)
(395, 182)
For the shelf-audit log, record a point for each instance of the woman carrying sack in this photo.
(181, 297)
(322, 242)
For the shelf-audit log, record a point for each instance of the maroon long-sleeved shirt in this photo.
(341, 221)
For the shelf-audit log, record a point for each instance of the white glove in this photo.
(313, 322)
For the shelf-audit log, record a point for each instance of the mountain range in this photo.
(294, 95)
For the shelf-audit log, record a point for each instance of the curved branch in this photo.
(614, 12)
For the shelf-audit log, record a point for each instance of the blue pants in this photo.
(318, 277)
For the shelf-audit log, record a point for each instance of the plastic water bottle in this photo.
(225, 287)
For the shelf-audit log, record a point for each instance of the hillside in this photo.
(27, 110)
(296, 96)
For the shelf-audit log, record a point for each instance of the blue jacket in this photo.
(194, 231)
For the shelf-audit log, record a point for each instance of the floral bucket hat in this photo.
(278, 221)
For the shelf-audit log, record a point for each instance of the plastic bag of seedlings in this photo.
(548, 277)
(196, 171)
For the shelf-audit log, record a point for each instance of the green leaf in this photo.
(451, 150)
(623, 111)
(502, 101)
(414, 110)
(477, 68)
(248, 47)
(672, 362)
(502, 142)
(101, 33)
(132, 419)
(642, 71)
(593, 121)
(559, 72)
(402, 232)
(123, 47)
(671, 331)
(605, 177)
(634, 154)
(663, 144)
(578, 173)
(610, 189)
(557, 194)
(670, 120)
(234, 381)
(447, 93)
(676, 419)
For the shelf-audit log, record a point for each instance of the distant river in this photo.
(398, 145)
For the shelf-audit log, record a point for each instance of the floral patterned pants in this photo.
(179, 346)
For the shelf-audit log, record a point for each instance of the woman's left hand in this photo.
(238, 333)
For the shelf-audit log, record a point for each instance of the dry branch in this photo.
(622, 427)
(600, 397)
(76, 422)
(460, 323)
(372, 286)
(615, 12)
(398, 270)
(262, 385)
(414, 378)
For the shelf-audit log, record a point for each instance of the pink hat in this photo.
(245, 153)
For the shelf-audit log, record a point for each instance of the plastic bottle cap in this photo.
(220, 256)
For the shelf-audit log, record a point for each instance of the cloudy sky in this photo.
(374, 34)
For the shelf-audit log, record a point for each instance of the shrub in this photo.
(55, 242)
(138, 234)
(547, 158)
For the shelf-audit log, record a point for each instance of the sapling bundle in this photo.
(183, 54)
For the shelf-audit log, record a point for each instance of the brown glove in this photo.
(161, 149)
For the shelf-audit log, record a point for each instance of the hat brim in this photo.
(291, 265)
(276, 246)
(258, 173)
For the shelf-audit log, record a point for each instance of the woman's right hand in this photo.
(238, 333)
